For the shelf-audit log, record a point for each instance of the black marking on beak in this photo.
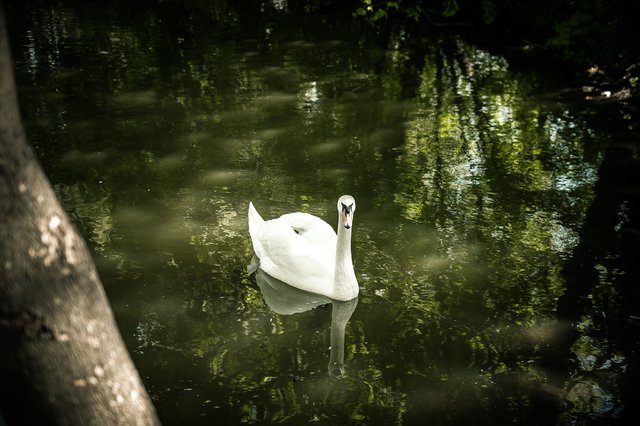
(346, 209)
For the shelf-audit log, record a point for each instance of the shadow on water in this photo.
(284, 299)
(596, 353)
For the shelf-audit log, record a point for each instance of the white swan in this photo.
(303, 250)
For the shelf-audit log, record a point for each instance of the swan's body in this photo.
(303, 250)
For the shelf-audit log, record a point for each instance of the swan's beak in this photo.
(347, 216)
(347, 220)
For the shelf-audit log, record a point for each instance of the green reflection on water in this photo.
(158, 127)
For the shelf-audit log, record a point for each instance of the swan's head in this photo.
(346, 208)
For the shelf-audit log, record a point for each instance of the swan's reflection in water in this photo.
(284, 299)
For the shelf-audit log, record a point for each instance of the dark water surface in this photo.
(492, 265)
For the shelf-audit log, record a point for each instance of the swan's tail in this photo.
(255, 220)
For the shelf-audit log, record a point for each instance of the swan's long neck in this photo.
(346, 284)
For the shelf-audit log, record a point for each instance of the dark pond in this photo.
(491, 262)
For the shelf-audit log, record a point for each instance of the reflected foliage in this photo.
(159, 122)
(573, 31)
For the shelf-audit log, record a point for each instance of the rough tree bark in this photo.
(62, 359)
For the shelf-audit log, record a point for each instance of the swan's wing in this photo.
(315, 230)
(306, 221)
(290, 257)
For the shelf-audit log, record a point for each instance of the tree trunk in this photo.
(62, 359)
